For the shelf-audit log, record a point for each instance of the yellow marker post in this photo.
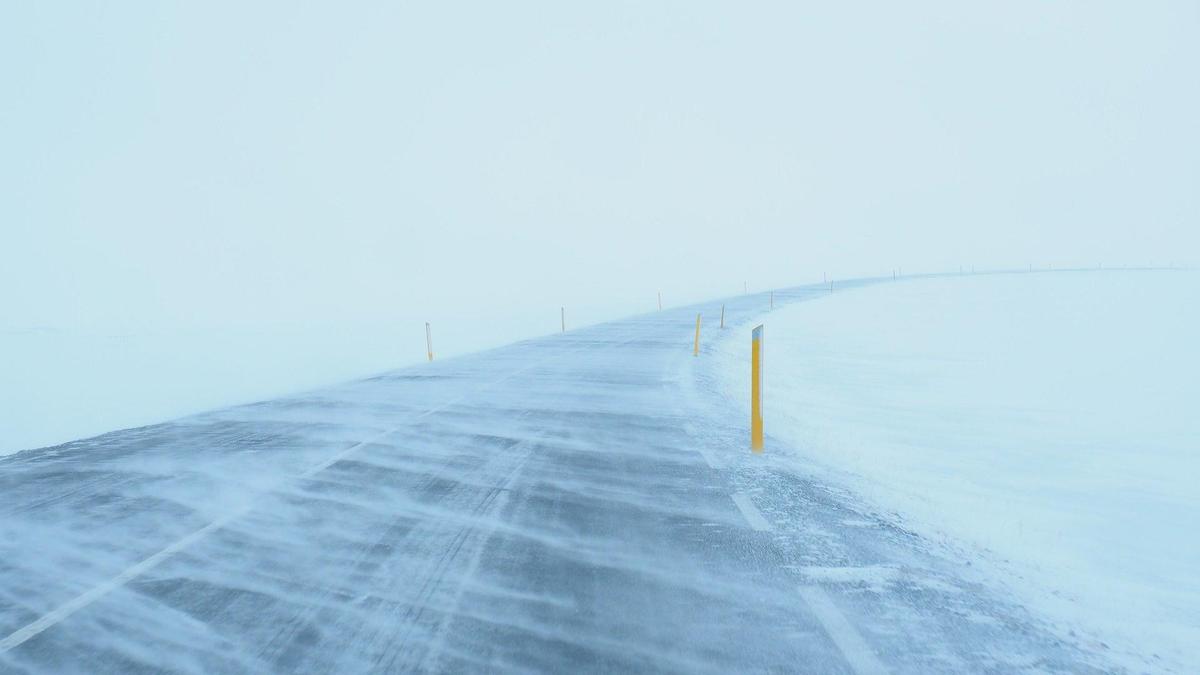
(722, 316)
(696, 346)
(428, 341)
(756, 389)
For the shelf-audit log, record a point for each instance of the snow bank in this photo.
(1044, 423)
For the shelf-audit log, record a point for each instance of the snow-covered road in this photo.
(579, 502)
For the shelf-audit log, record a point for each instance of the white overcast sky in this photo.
(214, 162)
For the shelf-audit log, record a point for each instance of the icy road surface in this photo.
(579, 502)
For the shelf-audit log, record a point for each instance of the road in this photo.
(578, 502)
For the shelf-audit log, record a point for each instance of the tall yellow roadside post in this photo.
(756, 389)
(428, 341)
(696, 346)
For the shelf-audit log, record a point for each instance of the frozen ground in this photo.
(580, 502)
(1043, 424)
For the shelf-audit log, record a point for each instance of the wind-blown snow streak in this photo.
(75, 604)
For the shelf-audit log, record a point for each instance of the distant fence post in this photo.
(660, 301)
(722, 316)
(756, 389)
(772, 300)
(428, 341)
(696, 345)
(563, 316)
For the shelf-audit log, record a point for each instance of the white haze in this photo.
(322, 179)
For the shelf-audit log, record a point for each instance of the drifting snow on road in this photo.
(575, 503)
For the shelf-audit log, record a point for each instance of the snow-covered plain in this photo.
(59, 384)
(1043, 425)
(63, 384)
